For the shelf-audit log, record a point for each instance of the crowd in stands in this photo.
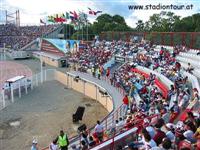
(163, 132)
(17, 37)
(93, 57)
(145, 105)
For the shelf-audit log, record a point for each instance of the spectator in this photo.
(149, 128)
(148, 141)
(53, 145)
(84, 145)
(34, 145)
(160, 135)
(125, 104)
(170, 133)
(91, 141)
(166, 144)
(99, 131)
(189, 68)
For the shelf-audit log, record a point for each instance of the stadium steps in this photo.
(115, 67)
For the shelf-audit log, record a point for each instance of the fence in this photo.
(189, 39)
(14, 91)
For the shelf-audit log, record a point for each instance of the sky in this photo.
(31, 11)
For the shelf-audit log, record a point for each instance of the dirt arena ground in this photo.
(43, 112)
(9, 69)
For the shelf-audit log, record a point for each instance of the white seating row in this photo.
(195, 84)
(196, 71)
(190, 55)
(193, 51)
(194, 63)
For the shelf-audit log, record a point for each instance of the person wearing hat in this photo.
(63, 140)
(34, 145)
(170, 131)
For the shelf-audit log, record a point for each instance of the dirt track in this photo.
(42, 113)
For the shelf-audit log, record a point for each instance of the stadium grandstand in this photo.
(151, 78)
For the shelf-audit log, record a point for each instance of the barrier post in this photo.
(12, 96)
(45, 75)
(36, 78)
(26, 86)
(113, 118)
(31, 82)
(71, 82)
(3, 98)
(19, 90)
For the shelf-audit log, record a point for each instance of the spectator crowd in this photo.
(16, 37)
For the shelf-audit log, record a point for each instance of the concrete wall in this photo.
(85, 87)
(48, 60)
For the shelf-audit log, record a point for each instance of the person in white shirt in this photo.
(99, 131)
(149, 128)
(148, 141)
(53, 145)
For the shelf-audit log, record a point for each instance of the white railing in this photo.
(9, 95)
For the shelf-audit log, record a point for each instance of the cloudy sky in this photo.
(32, 10)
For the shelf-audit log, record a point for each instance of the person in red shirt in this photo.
(108, 72)
(125, 104)
(160, 135)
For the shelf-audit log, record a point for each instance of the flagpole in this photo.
(82, 31)
(87, 28)
(69, 31)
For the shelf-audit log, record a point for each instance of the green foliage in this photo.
(106, 22)
(169, 22)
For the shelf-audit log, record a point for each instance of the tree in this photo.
(106, 22)
(140, 25)
(119, 19)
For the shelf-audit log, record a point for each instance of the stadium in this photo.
(74, 83)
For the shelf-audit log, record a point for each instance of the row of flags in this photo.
(73, 16)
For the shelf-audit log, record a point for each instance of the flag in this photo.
(51, 19)
(42, 22)
(74, 15)
(67, 15)
(60, 18)
(92, 12)
(98, 12)
(82, 17)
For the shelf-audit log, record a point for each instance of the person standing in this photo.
(93, 71)
(99, 131)
(34, 145)
(99, 73)
(108, 73)
(63, 141)
(53, 145)
(125, 104)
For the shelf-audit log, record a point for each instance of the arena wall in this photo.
(87, 88)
